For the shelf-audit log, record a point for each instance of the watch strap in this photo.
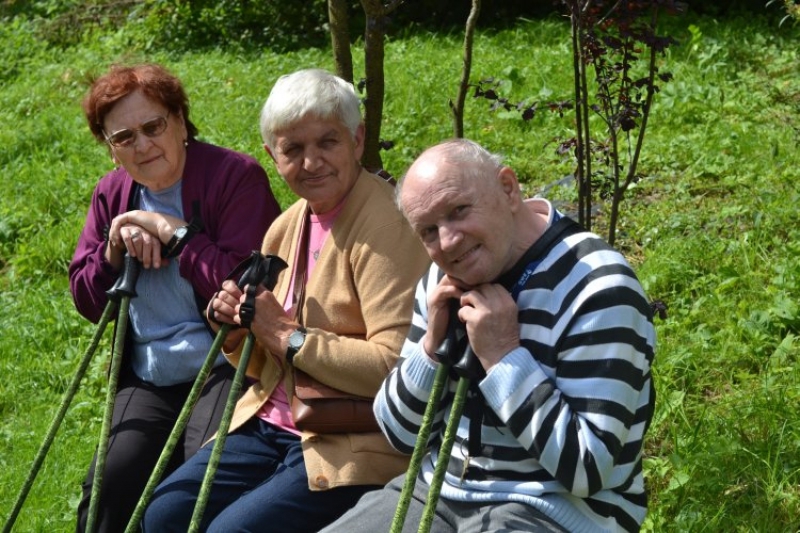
(175, 245)
(291, 351)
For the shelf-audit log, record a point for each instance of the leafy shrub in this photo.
(65, 23)
(252, 25)
(238, 23)
(176, 25)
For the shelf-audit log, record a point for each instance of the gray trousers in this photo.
(375, 510)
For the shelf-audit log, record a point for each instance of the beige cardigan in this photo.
(358, 308)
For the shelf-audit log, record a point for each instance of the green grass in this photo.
(712, 231)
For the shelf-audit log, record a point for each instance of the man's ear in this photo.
(510, 186)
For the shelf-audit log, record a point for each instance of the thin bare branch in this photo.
(469, 34)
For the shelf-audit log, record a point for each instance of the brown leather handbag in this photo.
(319, 408)
(315, 406)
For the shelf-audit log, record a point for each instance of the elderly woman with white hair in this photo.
(339, 313)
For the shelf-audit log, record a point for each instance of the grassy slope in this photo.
(712, 231)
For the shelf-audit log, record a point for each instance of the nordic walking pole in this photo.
(122, 291)
(191, 400)
(177, 430)
(467, 368)
(448, 354)
(111, 307)
(454, 353)
(222, 434)
(419, 449)
(261, 271)
(444, 455)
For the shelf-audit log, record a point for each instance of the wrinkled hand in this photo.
(142, 245)
(221, 309)
(142, 234)
(222, 306)
(439, 314)
(491, 316)
(137, 242)
(270, 325)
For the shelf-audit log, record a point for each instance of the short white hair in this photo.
(314, 92)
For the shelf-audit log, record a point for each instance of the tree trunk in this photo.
(340, 38)
(375, 87)
(376, 13)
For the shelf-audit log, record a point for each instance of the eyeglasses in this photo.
(124, 138)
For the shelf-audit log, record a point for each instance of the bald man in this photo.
(561, 394)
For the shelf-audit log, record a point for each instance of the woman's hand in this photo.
(142, 234)
(270, 325)
(221, 309)
(222, 306)
(137, 242)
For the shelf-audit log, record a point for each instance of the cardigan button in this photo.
(322, 482)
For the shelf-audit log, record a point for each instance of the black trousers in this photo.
(143, 418)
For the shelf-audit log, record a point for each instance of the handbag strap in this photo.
(301, 267)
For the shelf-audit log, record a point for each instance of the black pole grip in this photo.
(452, 346)
(275, 265)
(126, 281)
(469, 366)
(261, 270)
(455, 350)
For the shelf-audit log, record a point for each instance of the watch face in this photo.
(296, 339)
(181, 232)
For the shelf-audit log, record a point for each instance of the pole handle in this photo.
(126, 281)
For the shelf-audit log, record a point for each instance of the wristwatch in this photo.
(296, 341)
(177, 242)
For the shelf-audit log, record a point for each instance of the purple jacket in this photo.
(236, 207)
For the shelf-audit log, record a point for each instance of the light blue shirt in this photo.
(170, 339)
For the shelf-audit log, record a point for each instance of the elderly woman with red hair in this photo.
(189, 212)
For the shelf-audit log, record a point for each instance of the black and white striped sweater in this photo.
(565, 414)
